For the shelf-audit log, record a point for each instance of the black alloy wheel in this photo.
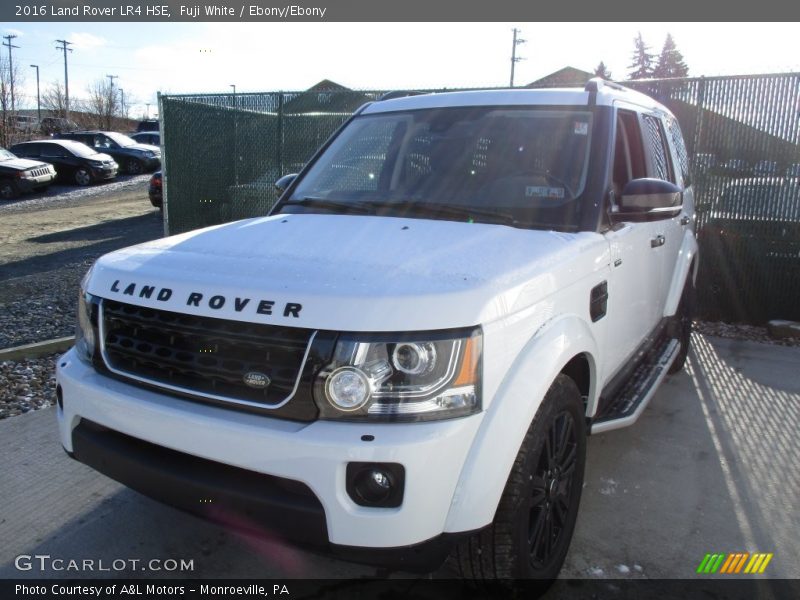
(552, 486)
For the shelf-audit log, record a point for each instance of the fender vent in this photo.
(598, 301)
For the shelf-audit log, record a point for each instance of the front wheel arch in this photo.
(509, 412)
(8, 189)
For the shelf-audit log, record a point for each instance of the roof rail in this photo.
(399, 94)
(595, 83)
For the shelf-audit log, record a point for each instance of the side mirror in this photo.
(646, 195)
(284, 182)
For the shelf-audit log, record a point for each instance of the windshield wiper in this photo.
(468, 213)
(346, 205)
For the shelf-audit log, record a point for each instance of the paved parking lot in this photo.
(710, 467)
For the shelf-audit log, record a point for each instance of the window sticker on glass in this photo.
(581, 128)
(542, 191)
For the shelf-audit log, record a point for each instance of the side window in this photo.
(52, 151)
(680, 150)
(661, 166)
(29, 150)
(629, 157)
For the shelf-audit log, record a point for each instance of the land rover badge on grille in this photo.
(256, 380)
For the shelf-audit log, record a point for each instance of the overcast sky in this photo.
(208, 57)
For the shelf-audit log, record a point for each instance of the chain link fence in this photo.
(223, 153)
(743, 134)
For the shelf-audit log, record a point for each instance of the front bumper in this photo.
(315, 455)
(156, 196)
(29, 183)
(271, 507)
(149, 163)
(103, 173)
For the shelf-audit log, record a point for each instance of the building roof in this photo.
(566, 77)
(326, 96)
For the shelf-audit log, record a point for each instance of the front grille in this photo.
(203, 356)
(38, 171)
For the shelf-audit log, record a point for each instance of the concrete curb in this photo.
(38, 349)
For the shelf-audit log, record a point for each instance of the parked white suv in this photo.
(403, 361)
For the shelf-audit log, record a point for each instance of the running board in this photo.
(625, 409)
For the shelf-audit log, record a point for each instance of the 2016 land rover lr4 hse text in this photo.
(402, 362)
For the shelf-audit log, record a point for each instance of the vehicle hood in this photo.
(350, 273)
(100, 156)
(21, 164)
(144, 148)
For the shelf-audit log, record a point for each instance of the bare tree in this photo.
(103, 103)
(54, 100)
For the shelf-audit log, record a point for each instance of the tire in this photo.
(540, 500)
(83, 177)
(8, 191)
(134, 167)
(682, 325)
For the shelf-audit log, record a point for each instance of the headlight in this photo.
(85, 338)
(403, 377)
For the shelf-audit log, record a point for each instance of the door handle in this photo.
(657, 241)
(685, 220)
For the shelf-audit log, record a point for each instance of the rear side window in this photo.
(54, 151)
(674, 131)
(26, 150)
(659, 155)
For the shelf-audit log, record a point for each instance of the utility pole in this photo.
(122, 101)
(514, 58)
(38, 100)
(147, 115)
(9, 45)
(111, 100)
(64, 44)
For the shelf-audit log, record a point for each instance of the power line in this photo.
(64, 44)
(9, 45)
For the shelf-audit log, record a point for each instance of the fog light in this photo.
(348, 388)
(376, 484)
(373, 485)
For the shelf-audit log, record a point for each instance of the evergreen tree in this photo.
(642, 65)
(602, 71)
(670, 62)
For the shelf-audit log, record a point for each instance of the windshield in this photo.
(121, 139)
(6, 155)
(527, 164)
(79, 149)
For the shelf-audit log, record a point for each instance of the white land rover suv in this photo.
(402, 361)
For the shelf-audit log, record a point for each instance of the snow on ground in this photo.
(609, 486)
(60, 195)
